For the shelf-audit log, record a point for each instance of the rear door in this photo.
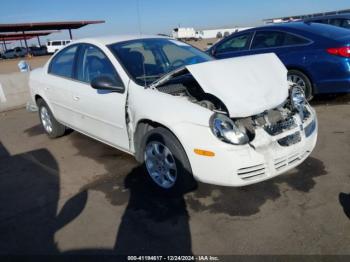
(101, 113)
(60, 83)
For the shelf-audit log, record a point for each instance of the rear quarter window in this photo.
(62, 64)
(290, 39)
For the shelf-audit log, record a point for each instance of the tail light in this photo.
(340, 51)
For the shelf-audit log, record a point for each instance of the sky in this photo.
(157, 16)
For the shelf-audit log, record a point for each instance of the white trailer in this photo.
(184, 33)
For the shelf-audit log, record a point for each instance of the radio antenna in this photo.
(140, 32)
(139, 16)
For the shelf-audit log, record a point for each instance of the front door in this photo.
(101, 113)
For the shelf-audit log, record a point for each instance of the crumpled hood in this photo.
(247, 85)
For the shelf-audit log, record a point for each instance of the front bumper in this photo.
(262, 159)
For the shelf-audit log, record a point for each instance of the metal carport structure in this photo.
(21, 36)
(45, 26)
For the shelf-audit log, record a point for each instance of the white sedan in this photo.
(181, 113)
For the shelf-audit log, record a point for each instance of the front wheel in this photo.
(300, 79)
(166, 162)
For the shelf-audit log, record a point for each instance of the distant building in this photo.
(188, 33)
(302, 17)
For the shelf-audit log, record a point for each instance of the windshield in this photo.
(147, 60)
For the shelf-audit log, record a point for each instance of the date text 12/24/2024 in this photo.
(173, 258)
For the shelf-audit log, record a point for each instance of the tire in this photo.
(303, 81)
(49, 123)
(172, 152)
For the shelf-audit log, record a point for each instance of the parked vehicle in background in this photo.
(181, 113)
(38, 51)
(54, 46)
(316, 55)
(182, 33)
(342, 20)
(14, 53)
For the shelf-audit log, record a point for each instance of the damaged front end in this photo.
(261, 125)
(287, 122)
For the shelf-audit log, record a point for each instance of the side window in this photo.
(237, 43)
(63, 63)
(267, 39)
(321, 21)
(92, 63)
(271, 39)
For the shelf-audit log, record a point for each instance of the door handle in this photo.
(76, 98)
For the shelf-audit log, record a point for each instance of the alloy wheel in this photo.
(46, 119)
(160, 164)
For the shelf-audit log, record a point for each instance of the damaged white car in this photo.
(182, 114)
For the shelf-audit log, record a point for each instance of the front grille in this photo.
(281, 126)
(290, 140)
(252, 172)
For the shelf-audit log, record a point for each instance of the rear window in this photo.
(62, 63)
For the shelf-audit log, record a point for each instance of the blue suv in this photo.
(316, 55)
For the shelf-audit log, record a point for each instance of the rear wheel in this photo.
(166, 162)
(51, 126)
(301, 80)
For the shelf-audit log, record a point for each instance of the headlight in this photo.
(226, 130)
(297, 98)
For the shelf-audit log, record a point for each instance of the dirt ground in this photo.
(74, 195)
(10, 65)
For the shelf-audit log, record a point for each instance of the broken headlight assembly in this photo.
(227, 131)
(297, 98)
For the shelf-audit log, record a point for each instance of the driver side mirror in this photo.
(211, 51)
(107, 84)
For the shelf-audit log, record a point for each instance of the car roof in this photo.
(112, 39)
(324, 30)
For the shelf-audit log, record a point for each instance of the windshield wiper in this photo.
(151, 76)
(167, 76)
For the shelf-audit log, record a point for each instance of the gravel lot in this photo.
(10, 65)
(74, 195)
